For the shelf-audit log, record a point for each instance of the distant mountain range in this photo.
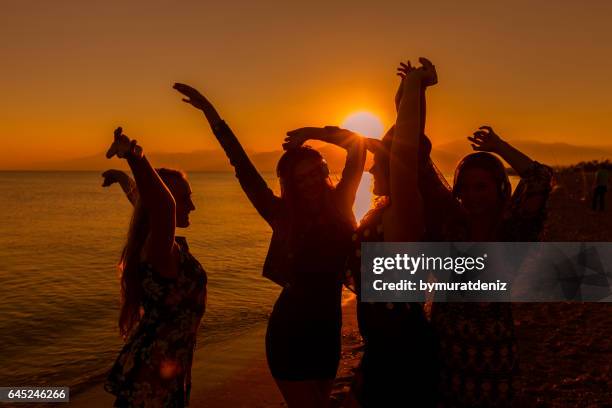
(446, 157)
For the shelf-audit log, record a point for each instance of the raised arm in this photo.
(532, 192)
(128, 185)
(155, 198)
(355, 147)
(255, 187)
(404, 221)
(486, 140)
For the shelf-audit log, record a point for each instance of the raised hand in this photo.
(193, 96)
(485, 140)
(199, 101)
(113, 176)
(403, 70)
(329, 134)
(123, 147)
(427, 74)
(430, 76)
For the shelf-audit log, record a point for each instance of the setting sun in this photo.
(369, 125)
(364, 123)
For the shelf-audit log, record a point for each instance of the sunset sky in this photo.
(73, 70)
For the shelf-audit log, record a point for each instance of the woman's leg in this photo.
(306, 394)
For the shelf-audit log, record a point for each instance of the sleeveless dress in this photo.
(153, 368)
(303, 337)
(399, 366)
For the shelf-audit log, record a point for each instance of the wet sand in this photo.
(235, 374)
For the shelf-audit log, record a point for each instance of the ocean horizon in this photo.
(61, 235)
(60, 241)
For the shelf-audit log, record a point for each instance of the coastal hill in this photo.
(446, 157)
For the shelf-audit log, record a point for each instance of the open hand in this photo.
(123, 147)
(403, 70)
(193, 96)
(485, 140)
(426, 74)
(113, 176)
(196, 99)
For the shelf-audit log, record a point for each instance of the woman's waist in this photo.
(172, 314)
(391, 319)
(307, 308)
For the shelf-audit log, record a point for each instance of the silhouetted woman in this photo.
(163, 289)
(398, 368)
(478, 350)
(312, 222)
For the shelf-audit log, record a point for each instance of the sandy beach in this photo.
(565, 348)
(236, 373)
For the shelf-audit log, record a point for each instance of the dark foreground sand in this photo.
(565, 349)
(235, 374)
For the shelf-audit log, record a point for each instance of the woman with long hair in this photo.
(478, 351)
(398, 367)
(312, 222)
(163, 288)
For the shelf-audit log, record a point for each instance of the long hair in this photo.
(491, 164)
(285, 170)
(435, 191)
(129, 264)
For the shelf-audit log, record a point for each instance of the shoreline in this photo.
(235, 373)
(565, 348)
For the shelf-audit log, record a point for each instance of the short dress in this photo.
(303, 338)
(153, 368)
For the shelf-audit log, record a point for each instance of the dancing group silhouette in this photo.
(458, 355)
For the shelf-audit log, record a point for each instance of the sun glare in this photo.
(364, 123)
(367, 124)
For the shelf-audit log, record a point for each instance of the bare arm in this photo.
(346, 190)
(486, 140)
(255, 187)
(355, 147)
(403, 221)
(535, 178)
(155, 198)
(128, 185)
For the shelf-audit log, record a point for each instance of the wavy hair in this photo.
(129, 264)
(285, 170)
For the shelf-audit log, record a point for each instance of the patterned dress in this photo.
(154, 366)
(478, 350)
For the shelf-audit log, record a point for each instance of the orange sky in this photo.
(73, 70)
